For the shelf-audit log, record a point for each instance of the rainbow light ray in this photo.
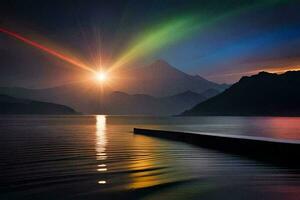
(48, 50)
(155, 39)
(178, 28)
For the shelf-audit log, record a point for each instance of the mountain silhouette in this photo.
(117, 103)
(12, 105)
(121, 103)
(210, 93)
(161, 79)
(264, 94)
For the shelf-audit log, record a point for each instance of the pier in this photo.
(282, 152)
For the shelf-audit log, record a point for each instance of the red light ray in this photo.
(46, 49)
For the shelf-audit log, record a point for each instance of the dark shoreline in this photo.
(279, 152)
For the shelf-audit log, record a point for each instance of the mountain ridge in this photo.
(12, 105)
(263, 94)
(162, 79)
(119, 101)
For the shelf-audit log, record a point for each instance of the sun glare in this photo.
(101, 76)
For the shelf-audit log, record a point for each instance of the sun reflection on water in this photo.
(145, 166)
(101, 142)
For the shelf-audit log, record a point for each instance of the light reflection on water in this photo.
(92, 157)
(101, 141)
(145, 166)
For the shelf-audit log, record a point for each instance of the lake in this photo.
(98, 157)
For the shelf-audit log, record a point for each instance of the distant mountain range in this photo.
(12, 105)
(117, 103)
(120, 103)
(157, 89)
(264, 94)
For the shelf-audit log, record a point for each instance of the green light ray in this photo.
(180, 27)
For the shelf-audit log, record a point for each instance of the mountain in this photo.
(161, 79)
(210, 93)
(121, 103)
(82, 97)
(264, 94)
(117, 103)
(12, 105)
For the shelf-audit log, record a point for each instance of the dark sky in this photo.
(220, 40)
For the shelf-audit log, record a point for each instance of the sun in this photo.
(101, 76)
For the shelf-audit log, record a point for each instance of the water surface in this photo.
(98, 157)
